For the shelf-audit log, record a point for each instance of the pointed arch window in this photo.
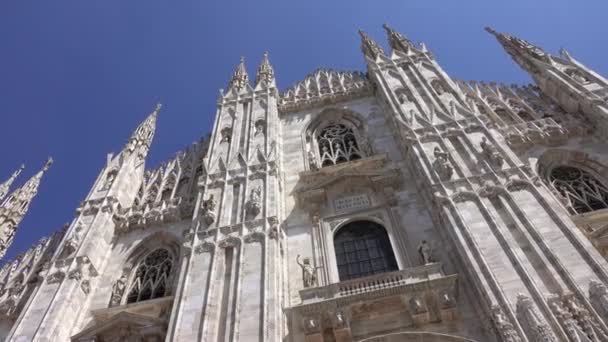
(338, 143)
(152, 277)
(581, 191)
(363, 248)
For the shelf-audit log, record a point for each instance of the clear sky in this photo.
(76, 77)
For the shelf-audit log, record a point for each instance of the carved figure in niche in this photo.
(416, 306)
(598, 295)
(226, 134)
(208, 208)
(491, 153)
(309, 272)
(118, 289)
(109, 180)
(72, 242)
(442, 164)
(339, 320)
(312, 161)
(260, 127)
(254, 204)
(311, 325)
(426, 252)
(436, 84)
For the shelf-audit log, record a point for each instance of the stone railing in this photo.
(413, 279)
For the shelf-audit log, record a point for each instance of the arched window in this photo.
(337, 144)
(363, 248)
(582, 191)
(152, 277)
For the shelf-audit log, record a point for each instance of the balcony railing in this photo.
(383, 284)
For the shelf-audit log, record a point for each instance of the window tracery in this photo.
(581, 191)
(363, 248)
(337, 143)
(152, 277)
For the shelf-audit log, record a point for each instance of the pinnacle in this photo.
(240, 77)
(265, 71)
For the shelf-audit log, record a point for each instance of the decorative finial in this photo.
(369, 47)
(240, 77)
(491, 30)
(265, 72)
(49, 162)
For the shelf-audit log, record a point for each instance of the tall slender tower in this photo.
(237, 261)
(6, 186)
(575, 87)
(16, 205)
(62, 298)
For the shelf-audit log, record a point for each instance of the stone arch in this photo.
(363, 248)
(577, 179)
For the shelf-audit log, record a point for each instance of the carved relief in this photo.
(425, 251)
(204, 247)
(442, 165)
(118, 289)
(208, 208)
(532, 321)
(254, 204)
(503, 326)
(491, 154)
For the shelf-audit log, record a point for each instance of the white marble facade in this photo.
(392, 205)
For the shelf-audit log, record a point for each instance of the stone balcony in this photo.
(376, 304)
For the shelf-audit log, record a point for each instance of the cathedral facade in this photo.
(397, 204)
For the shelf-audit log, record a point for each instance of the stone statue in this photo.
(208, 208)
(254, 204)
(442, 164)
(312, 161)
(309, 272)
(118, 289)
(426, 252)
(491, 153)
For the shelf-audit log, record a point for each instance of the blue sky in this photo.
(76, 77)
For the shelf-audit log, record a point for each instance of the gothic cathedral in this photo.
(397, 204)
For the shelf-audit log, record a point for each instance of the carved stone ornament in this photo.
(491, 153)
(312, 325)
(503, 326)
(118, 289)
(309, 272)
(598, 295)
(532, 321)
(442, 165)
(256, 236)
(204, 247)
(312, 161)
(425, 251)
(208, 208)
(230, 242)
(55, 277)
(254, 204)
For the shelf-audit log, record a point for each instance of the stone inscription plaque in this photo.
(352, 202)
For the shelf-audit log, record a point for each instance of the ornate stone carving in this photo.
(598, 295)
(72, 243)
(204, 247)
(254, 237)
(208, 208)
(230, 242)
(322, 86)
(254, 204)
(425, 251)
(309, 272)
(503, 326)
(56, 277)
(442, 165)
(491, 154)
(118, 290)
(312, 161)
(532, 321)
